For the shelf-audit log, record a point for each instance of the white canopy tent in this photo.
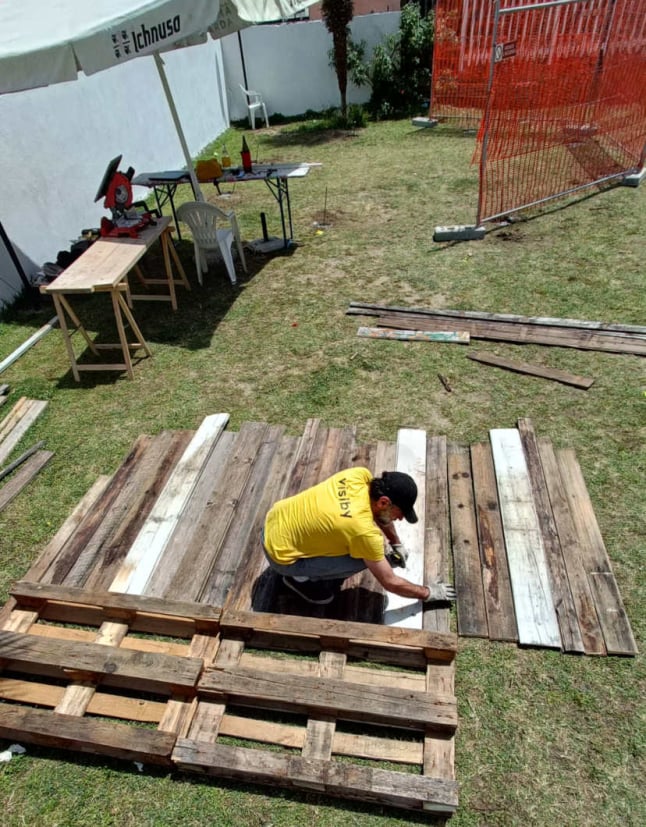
(47, 43)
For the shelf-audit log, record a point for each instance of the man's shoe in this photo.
(319, 592)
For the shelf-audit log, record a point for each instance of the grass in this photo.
(544, 738)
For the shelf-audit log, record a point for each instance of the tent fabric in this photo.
(46, 43)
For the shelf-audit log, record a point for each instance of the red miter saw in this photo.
(116, 188)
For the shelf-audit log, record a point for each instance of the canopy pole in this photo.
(197, 192)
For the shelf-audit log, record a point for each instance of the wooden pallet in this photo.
(298, 696)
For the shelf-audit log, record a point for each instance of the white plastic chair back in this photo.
(255, 104)
(202, 220)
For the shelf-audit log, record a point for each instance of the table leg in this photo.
(140, 341)
(125, 347)
(66, 335)
(168, 267)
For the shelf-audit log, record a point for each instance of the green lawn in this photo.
(544, 738)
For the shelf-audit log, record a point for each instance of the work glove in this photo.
(397, 556)
(440, 593)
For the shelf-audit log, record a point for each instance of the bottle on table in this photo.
(245, 154)
(226, 158)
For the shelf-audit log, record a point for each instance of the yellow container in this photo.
(207, 170)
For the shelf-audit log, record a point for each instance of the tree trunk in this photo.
(340, 41)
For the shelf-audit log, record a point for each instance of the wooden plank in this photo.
(535, 614)
(28, 415)
(335, 778)
(8, 469)
(103, 704)
(411, 459)
(499, 603)
(156, 531)
(617, 632)
(254, 584)
(325, 633)
(321, 728)
(467, 570)
(225, 568)
(543, 372)
(414, 335)
(317, 696)
(208, 713)
(87, 735)
(23, 477)
(114, 666)
(181, 539)
(499, 332)
(541, 321)
(138, 644)
(117, 605)
(436, 536)
(561, 594)
(198, 566)
(588, 621)
(10, 420)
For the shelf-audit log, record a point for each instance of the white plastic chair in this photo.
(255, 104)
(202, 220)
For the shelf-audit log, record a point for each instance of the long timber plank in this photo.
(110, 664)
(348, 781)
(559, 583)
(88, 735)
(499, 603)
(411, 459)
(617, 632)
(149, 544)
(533, 602)
(436, 537)
(311, 695)
(472, 613)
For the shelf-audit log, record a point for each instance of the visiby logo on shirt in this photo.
(344, 500)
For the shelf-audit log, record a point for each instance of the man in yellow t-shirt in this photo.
(332, 530)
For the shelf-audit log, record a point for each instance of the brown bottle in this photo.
(245, 155)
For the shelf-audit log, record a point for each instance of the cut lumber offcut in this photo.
(24, 347)
(149, 544)
(460, 338)
(411, 459)
(530, 584)
(29, 413)
(24, 476)
(533, 370)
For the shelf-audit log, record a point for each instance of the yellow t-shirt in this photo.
(330, 519)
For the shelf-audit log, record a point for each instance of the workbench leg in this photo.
(134, 326)
(169, 270)
(117, 303)
(178, 263)
(66, 335)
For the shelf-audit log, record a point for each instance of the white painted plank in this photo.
(411, 459)
(155, 533)
(29, 413)
(535, 613)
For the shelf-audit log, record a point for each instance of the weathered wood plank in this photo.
(254, 586)
(321, 728)
(345, 780)
(23, 477)
(172, 559)
(110, 664)
(486, 358)
(414, 335)
(559, 583)
(88, 735)
(156, 531)
(24, 418)
(588, 621)
(119, 606)
(208, 713)
(411, 459)
(322, 632)
(533, 602)
(436, 536)
(467, 570)
(318, 696)
(617, 632)
(499, 603)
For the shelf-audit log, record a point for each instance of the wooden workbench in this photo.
(104, 268)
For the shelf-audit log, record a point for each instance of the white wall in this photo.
(288, 64)
(57, 141)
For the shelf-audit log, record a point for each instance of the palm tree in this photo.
(337, 15)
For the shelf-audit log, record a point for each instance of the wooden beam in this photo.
(562, 376)
(24, 476)
(461, 338)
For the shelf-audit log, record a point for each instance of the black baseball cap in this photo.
(401, 490)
